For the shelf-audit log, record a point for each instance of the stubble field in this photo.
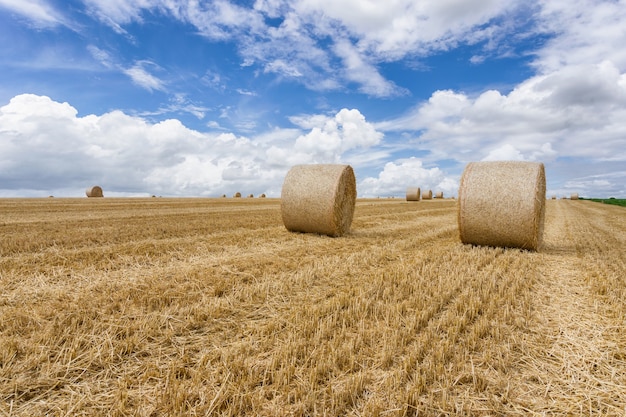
(163, 307)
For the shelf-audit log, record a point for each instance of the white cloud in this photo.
(584, 32)
(395, 28)
(47, 148)
(358, 70)
(572, 109)
(361, 33)
(40, 12)
(330, 138)
(397, 176)
(140, 76)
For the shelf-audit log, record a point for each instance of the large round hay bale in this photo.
(502, 203)
(94, 191)
(427, 195)
(574, 196)
(319, 199)
(237, 195)
(413, 194)
(439, 194)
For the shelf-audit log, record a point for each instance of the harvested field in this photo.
(155, 307)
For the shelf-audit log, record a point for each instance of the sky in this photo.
(200, 98)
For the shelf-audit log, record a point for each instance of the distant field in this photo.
(615, 201)
(163, 307)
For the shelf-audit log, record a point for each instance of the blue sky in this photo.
(204, 98)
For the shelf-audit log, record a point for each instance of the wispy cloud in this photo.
(140, 76)
(39, 12)
(364, 34)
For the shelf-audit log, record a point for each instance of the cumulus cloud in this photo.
(396, 176)
(569, 109)
(45, 147)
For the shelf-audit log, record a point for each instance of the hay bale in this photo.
(262, 195)
(413, 194)
(94, 191)
(439, 194)
(502, 203)
(427, 195)
(319, 199)
(250, 195)
(574, 196)
(237, 195)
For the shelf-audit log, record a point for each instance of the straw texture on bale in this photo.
(319, 199)
(502, 203)
(574, 196)
(427, 195)
(439, 194)
(94, 191)
(413, 194)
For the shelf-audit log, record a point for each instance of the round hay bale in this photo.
(502, 203)
(319, 199)
(439, 194)
(427, 195)
(94, 191)
(574, 196)
(413, 194)
(250, 195)
(237, 195)
(262, 195)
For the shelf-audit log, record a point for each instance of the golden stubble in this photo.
(211, 307)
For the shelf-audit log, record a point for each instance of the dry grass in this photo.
(153, 307)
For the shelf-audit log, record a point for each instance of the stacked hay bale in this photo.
(502, 204)
(427, 195)
(413, 194)
(95, 191)
(319, 199)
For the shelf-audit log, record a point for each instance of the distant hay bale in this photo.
(413, 194)
(250, 195)
(94, 191)
(439, 194)
(223, 195)
(554, 197)
(237, 195)
(262, 195)
(502, 203)
(427, 195)
(574, 196)
(319, 199)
